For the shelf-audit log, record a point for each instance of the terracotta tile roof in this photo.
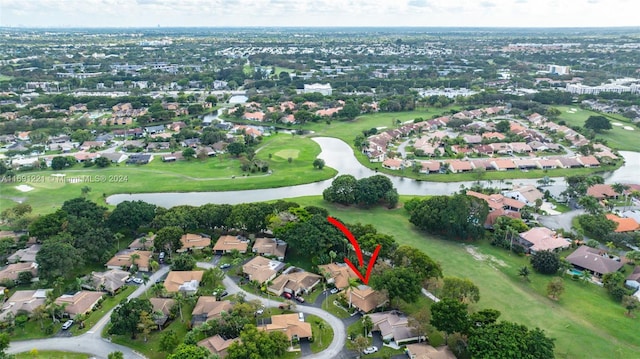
(190, 241)
(229, 243)
(137, 243)
(457, 165)
(123, 259)
(503, 164)
(296, 282)
(270, 247)
(79, 303)
(262, 269)
(624, 224)
(425, 351)
(177, 278)
(13, 270)
(217, 344)
(26, 300)
(365, 298)
(544, 239)
(209, 307)
(290, 324)
(601, 191)
(589, 161)
(339, 273)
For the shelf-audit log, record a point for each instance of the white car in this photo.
(259, 311)
(334, 290)
(67, 324)
(138, 280)
(370, 350)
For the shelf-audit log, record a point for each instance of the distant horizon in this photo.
(317, 13)
(319, 27)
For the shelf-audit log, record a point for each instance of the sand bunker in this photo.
(491, 260)
(629, 128)
(616, 124)
(24, 188)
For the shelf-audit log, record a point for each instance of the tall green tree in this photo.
(545, 262)
(126, 317)
(598, 123)
(460, 289)
(450, 316)
(506, 340)
(168, 238)
(255, 343)
(398, 283)
(131, 215)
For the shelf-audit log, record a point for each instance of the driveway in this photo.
(305, 347)
(334, 350)
(90, 342)
(560, 221)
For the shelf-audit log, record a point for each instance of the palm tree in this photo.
(145, 279)
(367, 323)
(158, 290)
(179, 302)
(85, 190)
(333, 255)
(586, 276)
(134, 258)
(524, 273)
(321, 327)
(353, 283)
(118, 237)
(144, 241)
(39, 313)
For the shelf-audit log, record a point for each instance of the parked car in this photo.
(300, 299)
(225, 266)
(224, 293)
(128, 280)
(260, 311)
(286, 295)
(334, 290)
(370, 350)
(67, 324)
(138, 280)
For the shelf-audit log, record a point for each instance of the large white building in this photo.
(580, 89)
(558, 70)
(324, 89)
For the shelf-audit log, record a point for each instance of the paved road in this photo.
(334, 350)
(91, 341)
(560, 221)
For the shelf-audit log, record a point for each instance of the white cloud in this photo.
(122, 13)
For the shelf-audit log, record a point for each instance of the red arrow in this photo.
(356, 247)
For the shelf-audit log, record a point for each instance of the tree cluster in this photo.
(365, 192)
(458, 216)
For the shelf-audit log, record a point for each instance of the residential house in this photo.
(176, 126)
(261, 269)
(25, 255)
(208, 308)
(623, 224)
(589, 161)
(82, 157)
(472, 139)
(425, 351)
(294, 281)
(142, 243)
(122, 107)
(254, 116)
(633, 280)
(461, 149)
(328, 112)
(498, 201)
(486, 164)
(23, 301)
(79, 303)
(161, 309)
(365, 298)
(525, 163)
(602, 191)
(12, 271)
(484, 150)
(458, 166)
(293, 325)
(500, 148)
(493, 136)
(151, 130)
(393, 163)
(87, 145)
(337, 274)
(519, 147)
(503, 164)
(78, 108)
(193, 241)
(139, 159)
(124, 259)
(548, 164)
(115, 157)
(542, 239)
(394, 326)
(183, 281)
(270, 247)
(538, 146)
(109, 281)
(429, 167)
(593, 260)
(217, 344)
(226, 244)
(494, 214)
(569, 162)
(525, 194)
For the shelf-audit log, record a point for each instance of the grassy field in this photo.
(585, 322)
(617, 137)
(322, 337)
(4, 78)
(214, 174)
(49, 354)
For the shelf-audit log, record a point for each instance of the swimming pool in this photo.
(575, 272)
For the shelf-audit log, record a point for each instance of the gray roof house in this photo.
(587, 258)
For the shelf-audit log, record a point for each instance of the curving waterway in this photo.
(337, 154)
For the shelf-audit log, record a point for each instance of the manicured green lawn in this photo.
(5, 78)
(617, 137)
(108, 304)
(214, 174)
(321, 337)
(585, 322)
(151, 348)
(50, 354)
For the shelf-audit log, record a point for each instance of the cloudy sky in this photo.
(212, 13)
